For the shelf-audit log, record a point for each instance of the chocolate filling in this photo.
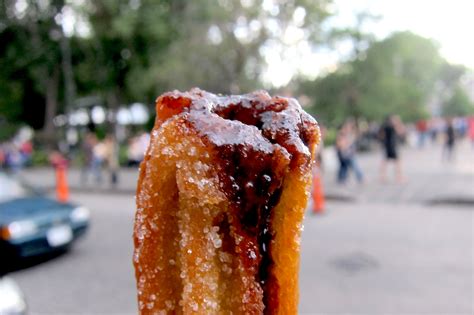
(253, 183)
(253, 205)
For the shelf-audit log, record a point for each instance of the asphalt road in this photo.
(356, 259)
(382, 259)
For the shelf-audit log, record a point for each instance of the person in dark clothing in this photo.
(390, 141)
(450, 139)
(390, 132)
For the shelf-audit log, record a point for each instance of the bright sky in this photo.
(449, 22)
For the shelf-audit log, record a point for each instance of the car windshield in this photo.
(11, 188)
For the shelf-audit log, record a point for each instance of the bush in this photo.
(39, 158)
(330, 137)
(123, 156)
(8, 130)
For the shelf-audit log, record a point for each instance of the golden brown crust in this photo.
(220, 201)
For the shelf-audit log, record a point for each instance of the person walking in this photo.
(98, 157)
(346, 150)
(390, 132)
(88, 154)
(449, 141)
(422, 129)
(111, 158)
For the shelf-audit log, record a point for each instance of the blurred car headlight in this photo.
(80, 214)
(19, 229)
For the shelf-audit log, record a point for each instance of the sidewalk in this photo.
(44, 179)
(429, 179)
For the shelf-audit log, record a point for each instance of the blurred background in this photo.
(390, 224)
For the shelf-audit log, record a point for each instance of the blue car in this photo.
(32, 224)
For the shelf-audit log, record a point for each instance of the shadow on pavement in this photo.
(10, 265)
(461, 203)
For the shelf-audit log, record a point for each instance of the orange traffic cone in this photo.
(317, 192)
(62, 189)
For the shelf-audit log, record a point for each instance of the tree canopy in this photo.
(458, 103)
(55, 54)
(396, 75)
(126, 51)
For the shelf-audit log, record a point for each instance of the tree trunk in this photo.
(52, 83)
(113, 103)
(68, 74)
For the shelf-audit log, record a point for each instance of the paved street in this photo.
(387, 249)
(379, 259)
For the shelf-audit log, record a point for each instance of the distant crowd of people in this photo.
(98, 158)
(104, 154)
(99, 155)
(390, 134)
(448, 130)
(15, 154)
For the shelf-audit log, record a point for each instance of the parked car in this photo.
(33, 224)
(12, 300)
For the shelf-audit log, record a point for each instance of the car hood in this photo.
(31, 208)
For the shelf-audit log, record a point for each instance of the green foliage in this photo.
(331, 94)
(8, 130)
(138, 49)
(330, 136)
(458, 104)
(123, 155)
(125, 41)
(10, 101)
(39, 158)
(29, 57)
(218, 45)
(150, 123)
(134, 50)
(395, 75)
(101, 132)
